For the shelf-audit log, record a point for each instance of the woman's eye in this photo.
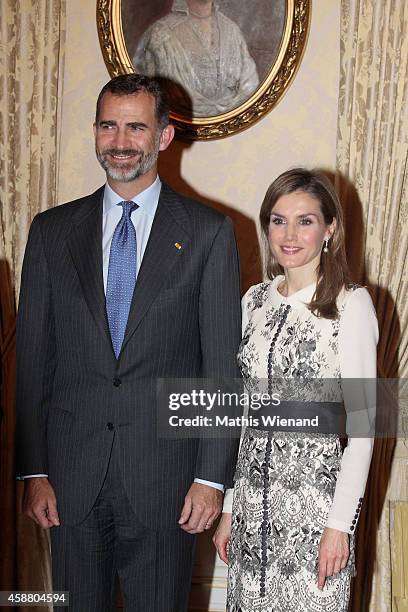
(277, 220)
(305, 221)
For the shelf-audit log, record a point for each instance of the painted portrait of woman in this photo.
(212, 55)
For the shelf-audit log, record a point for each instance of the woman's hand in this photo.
(333, 554)
(222, 536)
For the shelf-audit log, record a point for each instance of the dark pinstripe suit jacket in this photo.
(184, 322)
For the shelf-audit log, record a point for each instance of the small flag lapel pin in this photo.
(177, 245)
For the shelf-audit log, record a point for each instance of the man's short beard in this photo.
(130, 172)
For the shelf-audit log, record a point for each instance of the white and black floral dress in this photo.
(289, 486)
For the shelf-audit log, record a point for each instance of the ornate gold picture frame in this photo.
(269, 35)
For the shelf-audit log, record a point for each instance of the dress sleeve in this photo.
(228, 497)
(249, 79)
(358, 337)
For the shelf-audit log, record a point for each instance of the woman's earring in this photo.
(326, 248)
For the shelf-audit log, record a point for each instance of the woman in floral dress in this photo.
(289, 541)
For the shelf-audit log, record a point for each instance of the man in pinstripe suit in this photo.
(119, 499)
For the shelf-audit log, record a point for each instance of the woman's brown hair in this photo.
(333, 273)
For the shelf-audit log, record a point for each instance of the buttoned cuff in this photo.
(215, 485)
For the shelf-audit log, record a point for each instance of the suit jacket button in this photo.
(117, 382)
(110, 426)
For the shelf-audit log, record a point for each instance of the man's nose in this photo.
(121, 140)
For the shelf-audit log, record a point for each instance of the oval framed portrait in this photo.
(224, 63)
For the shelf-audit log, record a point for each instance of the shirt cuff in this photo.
(339, 525)
(32, 476)
(215, 485)
(228, 498)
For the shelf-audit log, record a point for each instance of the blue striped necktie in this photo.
(121, 275)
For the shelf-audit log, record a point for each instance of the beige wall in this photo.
(236, 170)
(232, 174)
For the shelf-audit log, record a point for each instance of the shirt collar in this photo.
(181, 6)
(146, 200)
(298, 299)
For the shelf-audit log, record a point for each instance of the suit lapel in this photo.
(85, 245)
(160, 256)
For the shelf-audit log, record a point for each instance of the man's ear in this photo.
(94, 128)
(166, 137)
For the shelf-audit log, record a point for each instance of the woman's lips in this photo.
(290, 250)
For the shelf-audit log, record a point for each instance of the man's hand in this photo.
(333, 554)
(222, 536)
(201, 507)
(39, 502)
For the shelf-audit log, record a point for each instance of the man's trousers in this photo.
(154, 567)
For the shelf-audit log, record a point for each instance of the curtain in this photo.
(372, 181)
(31, 76)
